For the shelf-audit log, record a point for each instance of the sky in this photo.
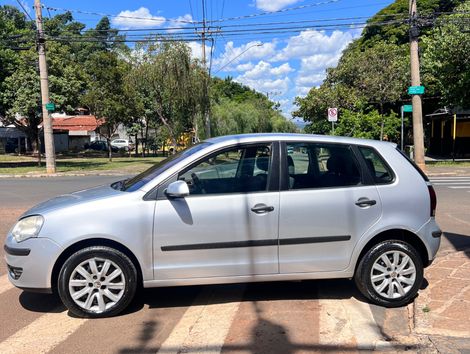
(283, 63)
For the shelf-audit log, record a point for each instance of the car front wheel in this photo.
(390, 273)
(97, 281)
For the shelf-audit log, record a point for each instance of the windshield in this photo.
(135, 183)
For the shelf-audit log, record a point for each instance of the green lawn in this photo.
(448, 163)
(10, 164)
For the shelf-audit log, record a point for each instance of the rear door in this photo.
(325, 207)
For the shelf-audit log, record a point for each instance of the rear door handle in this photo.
(364, 202)
(262, 208)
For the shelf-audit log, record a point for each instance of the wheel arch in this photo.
(93, 242)
(397, 234)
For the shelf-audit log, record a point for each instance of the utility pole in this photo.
(207, 120)
(46, 119)
(418, 139)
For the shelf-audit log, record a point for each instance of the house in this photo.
(450, 133)
(80, 129)
(12, 140)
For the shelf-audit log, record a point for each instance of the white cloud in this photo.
(282, 69)
(246, 52)
(266, 70)
(141, 18)
(245, 67)
(263, 77)
(178, 24)
(320, 61)
(274, 5)
(196, 50)
(312, 42)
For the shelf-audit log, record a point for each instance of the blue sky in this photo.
(282, 65)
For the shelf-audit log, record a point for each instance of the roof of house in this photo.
(76, 123)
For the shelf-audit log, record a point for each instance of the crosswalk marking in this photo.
(455, 182)
(5, 284)
(42, 335)
(203, 328)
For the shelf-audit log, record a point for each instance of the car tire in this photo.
(97, 281)
(390, 273)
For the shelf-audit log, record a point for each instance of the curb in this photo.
(44, 175)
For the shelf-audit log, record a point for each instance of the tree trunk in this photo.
(143, 143)
(110, 151)
(381, 122)
(170, 130)
(136, 138)
(36, 145)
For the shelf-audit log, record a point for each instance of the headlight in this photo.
(27, 228)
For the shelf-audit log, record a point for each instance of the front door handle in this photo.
(262, 208)
(365, 202)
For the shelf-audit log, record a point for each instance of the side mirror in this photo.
(177, 189)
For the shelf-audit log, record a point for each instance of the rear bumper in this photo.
(431, 234)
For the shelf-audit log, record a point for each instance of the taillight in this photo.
(432, 197)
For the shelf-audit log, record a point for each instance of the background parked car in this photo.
(100, 145)
(123, 144)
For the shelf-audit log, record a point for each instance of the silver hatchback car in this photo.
(241, 208)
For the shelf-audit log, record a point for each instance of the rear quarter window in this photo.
(380, 171)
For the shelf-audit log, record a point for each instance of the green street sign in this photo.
(50, 107)
(407, 108)
(415, 90)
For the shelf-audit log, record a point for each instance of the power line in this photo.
(26, 12)
(114, 16)
(276, 12)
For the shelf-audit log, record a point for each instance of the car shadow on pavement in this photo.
(36, 302)
(266, 335)
(183, 296)
(459, 242)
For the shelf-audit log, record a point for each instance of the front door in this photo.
(228, 225)
(325, 208)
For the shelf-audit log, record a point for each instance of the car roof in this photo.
(261, 137)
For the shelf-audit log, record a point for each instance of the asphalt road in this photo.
(285, 317)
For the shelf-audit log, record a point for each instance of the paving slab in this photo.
(443, 307)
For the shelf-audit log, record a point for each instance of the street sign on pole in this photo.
(416, 90)
(50, 107)
(332, 114)
(407, 108)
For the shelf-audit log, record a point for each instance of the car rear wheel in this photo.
(390, 273)
(97, 281)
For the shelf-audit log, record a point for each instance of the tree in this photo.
(167, 84)
(368, 125)
(446, 63)
(238, 109)
(106, 96)
(20, 95)
(390, 25)
(380, 74)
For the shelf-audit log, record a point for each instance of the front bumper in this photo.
(30, 262)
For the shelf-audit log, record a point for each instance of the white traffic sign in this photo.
(332, 114)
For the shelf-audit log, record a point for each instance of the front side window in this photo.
(321, 165)
(236, 170)
(145, 177)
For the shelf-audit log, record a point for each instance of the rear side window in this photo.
(321, 165)
(379, 170)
